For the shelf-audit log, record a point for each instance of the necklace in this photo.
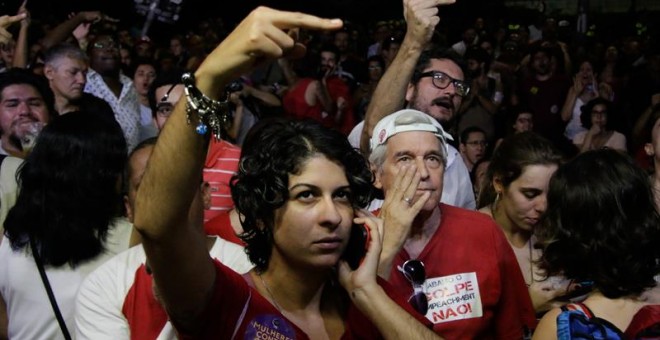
(270, 294)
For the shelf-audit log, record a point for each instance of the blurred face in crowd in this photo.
(611, 54)
(144, 49)
(469, 36)
(341, 41)
(67, 77)
(375, 70)
(176, 47)
(474, 148)
(104, 55)
(599, 116)
(487, 46)
(7, 52)
(328, 61)
(440, 104)
(125, 56)
(586, 72)
(541, 63)
(143, 77)
(166, 98)
(389, 53)
(523, 123)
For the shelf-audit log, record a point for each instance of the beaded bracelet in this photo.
(211, 113)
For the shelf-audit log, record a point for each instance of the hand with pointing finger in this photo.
(5, 22)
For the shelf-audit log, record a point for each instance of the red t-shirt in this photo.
(238, 311)
(221, 226)
(474, 286)
(295, 105)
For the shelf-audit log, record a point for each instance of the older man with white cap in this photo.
(455, 264)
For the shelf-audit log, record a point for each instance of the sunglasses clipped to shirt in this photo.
(414, 271)
(441, 80)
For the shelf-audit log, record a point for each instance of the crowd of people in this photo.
(293, 179)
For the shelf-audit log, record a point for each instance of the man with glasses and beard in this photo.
(429, 80)
(455, 265)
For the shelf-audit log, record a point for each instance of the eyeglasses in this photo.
(105, 44)
(441, 80)
(374, 67)
(478, 143)
(414, 271)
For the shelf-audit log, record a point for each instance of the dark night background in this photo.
(362, 11)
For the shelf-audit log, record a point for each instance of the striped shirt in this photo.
(221, 163)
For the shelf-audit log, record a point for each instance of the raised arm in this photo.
(389, 96)
(66, 28)
(21, 51)
(573, 93)
(181, 265)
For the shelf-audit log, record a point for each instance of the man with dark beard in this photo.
(431, 81)
(25, 105)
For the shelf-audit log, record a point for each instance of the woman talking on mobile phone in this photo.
(298, 189)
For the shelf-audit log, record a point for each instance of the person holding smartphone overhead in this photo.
(298, 189)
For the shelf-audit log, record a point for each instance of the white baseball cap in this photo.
(387, 127)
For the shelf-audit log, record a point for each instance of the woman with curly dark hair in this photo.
(272, 153)
(601, 225)
(298, 189)
(70, 194)
(598, 118)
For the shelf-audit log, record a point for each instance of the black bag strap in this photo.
(49, 290)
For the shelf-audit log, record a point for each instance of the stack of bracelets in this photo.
(211, 113)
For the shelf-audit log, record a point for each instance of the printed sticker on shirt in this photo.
(269, 327)
(453, 297)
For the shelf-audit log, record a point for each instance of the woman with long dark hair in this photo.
(70, 194)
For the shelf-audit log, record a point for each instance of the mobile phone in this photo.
(579, 291)
(358, 244)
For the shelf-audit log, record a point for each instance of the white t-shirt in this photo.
(8, 188)
(29, 311)
(574, 125)
(101, 299)
(457, 186)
